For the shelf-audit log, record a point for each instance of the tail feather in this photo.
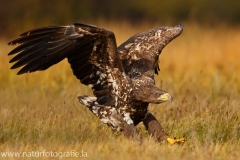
(107, 114)
(88, 101)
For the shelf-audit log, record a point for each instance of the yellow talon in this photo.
(174, 141)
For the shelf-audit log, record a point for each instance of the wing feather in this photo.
(49, 29)
(26, 46)
(27, 39)
(145, 48)
(90, 50)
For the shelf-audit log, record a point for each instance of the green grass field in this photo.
(200, 69)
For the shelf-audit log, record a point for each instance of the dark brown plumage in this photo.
(122, 79)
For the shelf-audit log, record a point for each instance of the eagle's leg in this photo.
(130, 131)
(155, 129)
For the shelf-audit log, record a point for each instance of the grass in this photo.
(201, 70)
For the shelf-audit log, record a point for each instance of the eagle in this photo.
(121, 78)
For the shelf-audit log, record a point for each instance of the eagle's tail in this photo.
(107, 114)
(88, 101)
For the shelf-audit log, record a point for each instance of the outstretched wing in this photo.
(90, 50)
(140, 53)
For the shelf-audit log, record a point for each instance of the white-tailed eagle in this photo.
(122, 78)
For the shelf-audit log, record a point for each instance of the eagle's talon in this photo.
(172, 141)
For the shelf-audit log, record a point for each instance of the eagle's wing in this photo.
(140, 53)
(90, 50)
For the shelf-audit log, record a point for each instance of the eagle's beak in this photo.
(165, 97)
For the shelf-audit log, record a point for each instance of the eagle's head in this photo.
(158, 95)
(151, 94)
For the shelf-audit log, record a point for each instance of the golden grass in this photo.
(201, 69)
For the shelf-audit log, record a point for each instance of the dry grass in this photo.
(201, 69)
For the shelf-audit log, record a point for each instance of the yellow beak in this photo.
(165, 97)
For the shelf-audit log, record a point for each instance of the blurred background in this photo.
(18, 15)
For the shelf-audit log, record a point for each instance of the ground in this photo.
(200, 69)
